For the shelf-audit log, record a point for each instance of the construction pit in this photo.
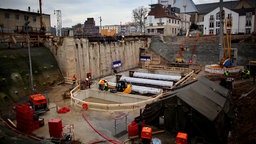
(96, 117)
(109, 113)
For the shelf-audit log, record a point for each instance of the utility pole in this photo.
(41, 17)
(222, 16)
(185, 7)
(59, 22)
(29, 57)
(100, 24)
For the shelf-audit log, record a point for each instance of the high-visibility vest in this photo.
(248, 72)
(73, 78)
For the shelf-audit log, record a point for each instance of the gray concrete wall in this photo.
(79, 56)
(206, 51)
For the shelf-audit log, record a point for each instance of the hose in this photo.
(17, 131)
(109, 140)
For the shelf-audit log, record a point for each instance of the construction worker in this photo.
(73, 81)
(106, 85)
(242, 74)
(101, 84)
(226, 73)
(247, 74)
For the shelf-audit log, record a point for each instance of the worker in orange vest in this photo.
(101, 84)
(73, 81)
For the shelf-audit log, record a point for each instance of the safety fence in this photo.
(77, 98)
(219, 70)
(122, 102)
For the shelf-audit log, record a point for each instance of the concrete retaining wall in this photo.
(79, 56)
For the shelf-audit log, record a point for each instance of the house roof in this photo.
(159, 11)
(243, 11)
(205, 96)
(191, 7)
(21, 11)
(232, 5)
(208, 7)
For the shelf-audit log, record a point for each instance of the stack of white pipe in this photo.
(142, 89)
(147, 81)
(156, 76)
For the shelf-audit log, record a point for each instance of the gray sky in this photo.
(77, 11)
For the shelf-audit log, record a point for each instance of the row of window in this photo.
(211, 24)
(160, 23)
(247, 31)
(218, 16)
(17, 17)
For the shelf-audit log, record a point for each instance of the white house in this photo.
(242, 13)
(161, 20)
(212, 21)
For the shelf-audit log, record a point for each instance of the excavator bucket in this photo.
(128, 89)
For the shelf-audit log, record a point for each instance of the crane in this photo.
(226, 59)
(42, 25)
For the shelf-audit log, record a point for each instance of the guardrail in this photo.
(109, 107)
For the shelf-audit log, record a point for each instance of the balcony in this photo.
(160, 24)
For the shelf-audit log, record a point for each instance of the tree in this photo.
(139, 15)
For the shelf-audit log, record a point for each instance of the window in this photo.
(217, 23)
(211, 31)
(247, 30)
(211, 24)
(218, 16)
(26, 17)
(229, 16)
(7, 15)
(34, 19)
(178, 22)
(248, 23)
(211, 17)
(17, 17)
(217, 31)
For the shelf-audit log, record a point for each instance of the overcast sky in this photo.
(77, 11)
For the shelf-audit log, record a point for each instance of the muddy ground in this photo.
(243, 129)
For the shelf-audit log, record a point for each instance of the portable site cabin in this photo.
(201, 109)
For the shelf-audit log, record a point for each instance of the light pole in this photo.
(29, 56)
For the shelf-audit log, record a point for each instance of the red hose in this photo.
(112, 141)
(17, 131)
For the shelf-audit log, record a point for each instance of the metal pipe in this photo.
(141, 89)
(147, 81)
(156, 76)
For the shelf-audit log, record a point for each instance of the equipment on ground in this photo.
(146, 135)
(179, 58)
(182, 138)
(39, 103)
(123, 86)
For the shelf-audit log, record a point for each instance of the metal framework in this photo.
(59, 22)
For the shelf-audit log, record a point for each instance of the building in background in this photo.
(90, 29)
(13, 21)
(162, 20)
(242, 14)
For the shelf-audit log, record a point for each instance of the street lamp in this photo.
(29, 56)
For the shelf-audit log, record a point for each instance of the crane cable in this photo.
(112, 141)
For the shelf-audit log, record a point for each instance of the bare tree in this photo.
(139, 15)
